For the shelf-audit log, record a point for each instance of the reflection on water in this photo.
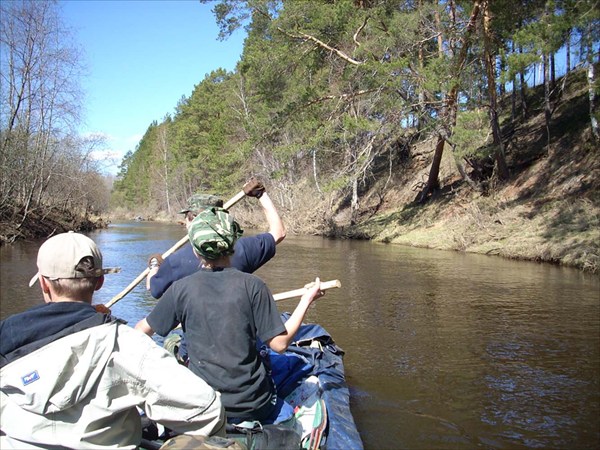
(443, 350)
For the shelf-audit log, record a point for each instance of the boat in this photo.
(310, 376)
(314, 356)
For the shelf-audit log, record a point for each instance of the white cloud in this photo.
(110, 149)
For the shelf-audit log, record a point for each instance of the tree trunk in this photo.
(490, 64)
(162, 133)
(432, 180)
(421, 107)
(440, 39)
(547, 105)
(568, 52)
(591, 78)
(354, 202)
(513, 93)
(523, 91)
(463, 173)
(552, 71)
(502, 87)
(314, 164)
(450, 108)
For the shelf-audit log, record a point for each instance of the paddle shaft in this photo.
(175, 247)
(300, 292)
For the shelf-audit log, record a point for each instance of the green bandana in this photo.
(213, 233)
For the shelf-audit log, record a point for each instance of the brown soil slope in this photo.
(548, 211)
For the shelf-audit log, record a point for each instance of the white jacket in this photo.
(82, 390)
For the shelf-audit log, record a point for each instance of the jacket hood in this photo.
(59, 375)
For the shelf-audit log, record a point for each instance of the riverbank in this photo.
(15, 225)
(562, 232)
(548, 211)
(538, 215)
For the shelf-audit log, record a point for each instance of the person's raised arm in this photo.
(276, 227)
(254, 188)
(281, 342)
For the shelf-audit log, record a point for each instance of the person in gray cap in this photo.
(251, 252)
(74, 377)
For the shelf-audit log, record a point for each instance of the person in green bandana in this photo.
(225, 314)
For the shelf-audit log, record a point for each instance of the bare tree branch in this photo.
(355, 37)
(320, 43)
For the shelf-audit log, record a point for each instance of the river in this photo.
(443, 350)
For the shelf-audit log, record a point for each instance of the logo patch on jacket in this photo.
(30, 378)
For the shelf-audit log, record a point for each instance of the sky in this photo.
(141, 57)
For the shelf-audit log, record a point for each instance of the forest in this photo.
(361, 116)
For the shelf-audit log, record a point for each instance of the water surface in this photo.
(443, 350)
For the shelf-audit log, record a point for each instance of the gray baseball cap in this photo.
(58, 257)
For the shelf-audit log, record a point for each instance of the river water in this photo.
(443, 350)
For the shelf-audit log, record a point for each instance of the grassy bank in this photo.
(560, 232)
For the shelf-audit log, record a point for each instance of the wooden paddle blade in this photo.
(300, 292)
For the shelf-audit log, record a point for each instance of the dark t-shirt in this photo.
(250, 253)
(41, 322)
(222, 313)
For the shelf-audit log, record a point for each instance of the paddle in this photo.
(175, 247)
(299, 292)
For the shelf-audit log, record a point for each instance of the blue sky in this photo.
(141, 58)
